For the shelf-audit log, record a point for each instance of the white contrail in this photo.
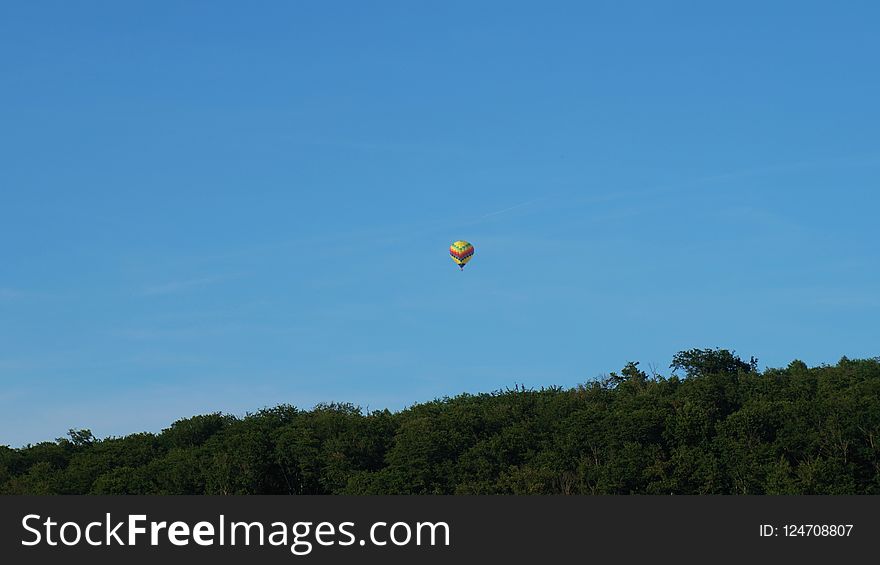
(520, 205)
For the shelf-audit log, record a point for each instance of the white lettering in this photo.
(24, 524)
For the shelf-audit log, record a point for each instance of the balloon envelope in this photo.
(461, 252)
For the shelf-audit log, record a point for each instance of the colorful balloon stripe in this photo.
(461, 252)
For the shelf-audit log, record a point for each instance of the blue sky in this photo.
(210, 206)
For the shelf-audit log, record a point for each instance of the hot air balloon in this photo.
(461, 252)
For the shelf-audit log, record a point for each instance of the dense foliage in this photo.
(723, 427)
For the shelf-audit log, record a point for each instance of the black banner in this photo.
(408, 529)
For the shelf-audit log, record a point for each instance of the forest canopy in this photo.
(715, 425)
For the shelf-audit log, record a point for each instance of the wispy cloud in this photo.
(10, 293)
(833, 297)
(173, 287)
(149, 334)
(205, 330)
(793, 166)
(687, 186)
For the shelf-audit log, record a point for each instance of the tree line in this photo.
(715, 425)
